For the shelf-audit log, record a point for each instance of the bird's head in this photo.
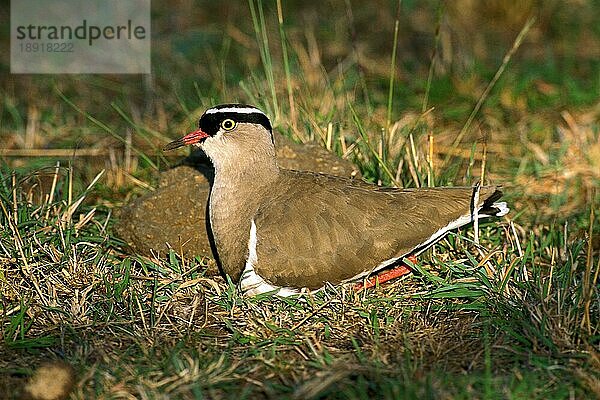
(228, 129)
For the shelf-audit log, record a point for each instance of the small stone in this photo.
(51, 381)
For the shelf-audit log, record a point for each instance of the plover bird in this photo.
(285, 231)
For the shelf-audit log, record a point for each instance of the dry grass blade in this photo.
(516, 44)
(475, 215)
(301, 322)
(67, 216)
(52, 190)
(588, 281)
(388, 120)
(54, 153)
(430, 180)
(85, 219)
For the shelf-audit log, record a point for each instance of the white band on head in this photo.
(239, 110)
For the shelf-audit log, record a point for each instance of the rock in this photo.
(174, 215)
(51, 381)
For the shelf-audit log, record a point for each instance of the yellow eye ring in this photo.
(228, 124)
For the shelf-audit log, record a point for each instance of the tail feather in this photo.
(491, 207)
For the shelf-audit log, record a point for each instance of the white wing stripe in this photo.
(251, 283)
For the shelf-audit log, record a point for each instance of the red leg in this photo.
(387, 275)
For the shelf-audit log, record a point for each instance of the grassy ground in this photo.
(516, 316)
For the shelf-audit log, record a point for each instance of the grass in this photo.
(515, 316)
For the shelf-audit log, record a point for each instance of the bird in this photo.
(288, 232)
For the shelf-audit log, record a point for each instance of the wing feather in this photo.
(319, 229)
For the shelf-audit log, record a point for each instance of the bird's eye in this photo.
(228, 124)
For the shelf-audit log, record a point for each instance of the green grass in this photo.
(515, 316)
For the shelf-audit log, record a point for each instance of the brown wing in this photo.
(319, 229)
